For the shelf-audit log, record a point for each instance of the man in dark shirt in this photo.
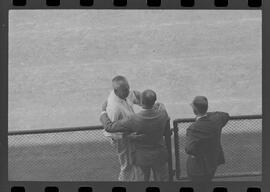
(203, 144)
(150, 126)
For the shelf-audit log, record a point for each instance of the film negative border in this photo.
(139, 187)
(139, 4)
(123, 189)
(5, 185)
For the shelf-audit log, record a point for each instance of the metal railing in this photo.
(65, 154)
(241, 141)
(55, 130)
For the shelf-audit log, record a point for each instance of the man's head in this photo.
(120, 86)
(200, 105)
(149, 98)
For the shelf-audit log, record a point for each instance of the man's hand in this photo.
(137, 95)
(135, 136)
(104, 106)
(159, 106)
(102, 114)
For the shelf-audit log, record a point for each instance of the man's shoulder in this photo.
(220, 113)
(111, 94)
(217, 116)
(113, 103)
(159, 107)
(199, 124)
(112, 98)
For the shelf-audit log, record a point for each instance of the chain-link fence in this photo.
(66, 154)
(242, 144)
(85, 154)
(74, 154)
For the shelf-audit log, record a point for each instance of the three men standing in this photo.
(140, 138)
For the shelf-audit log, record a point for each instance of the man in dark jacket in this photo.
(203, 144)
(149, 127)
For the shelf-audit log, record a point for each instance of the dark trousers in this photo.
(202, 183)
(160, 172)
(202, 179)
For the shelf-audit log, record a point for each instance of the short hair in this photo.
(119, 78)
(201, 104)
(149, 98)
(119, 81)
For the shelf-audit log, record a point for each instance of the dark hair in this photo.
(149, 98)
(202, 108)
(201, 104)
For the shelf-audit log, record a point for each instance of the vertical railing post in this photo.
(176, 150)
(168, 140)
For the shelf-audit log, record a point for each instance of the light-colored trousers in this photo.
(160, 172)
(128, 171)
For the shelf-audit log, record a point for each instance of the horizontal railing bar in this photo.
(246, 117)
(99, 127)
(55, 130)
(238, 117)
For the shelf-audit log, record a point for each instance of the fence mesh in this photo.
(87, 155)
(65, 156)
(242, 145)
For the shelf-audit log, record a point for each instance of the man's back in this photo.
(151, 151)
(203, 142)
(152, 123)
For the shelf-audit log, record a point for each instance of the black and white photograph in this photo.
(135, 95)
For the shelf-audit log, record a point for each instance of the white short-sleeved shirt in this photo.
(118, 109)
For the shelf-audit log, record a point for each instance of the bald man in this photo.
(153, 123)
(120, 105)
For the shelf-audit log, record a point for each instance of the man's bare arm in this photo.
(137, 100)
(104, 106)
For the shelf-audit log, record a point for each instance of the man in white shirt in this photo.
(120, 105)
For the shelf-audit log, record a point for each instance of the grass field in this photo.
(61, 62)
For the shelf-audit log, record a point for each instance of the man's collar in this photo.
(118, 98)
(199, 117)
(145, 109)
